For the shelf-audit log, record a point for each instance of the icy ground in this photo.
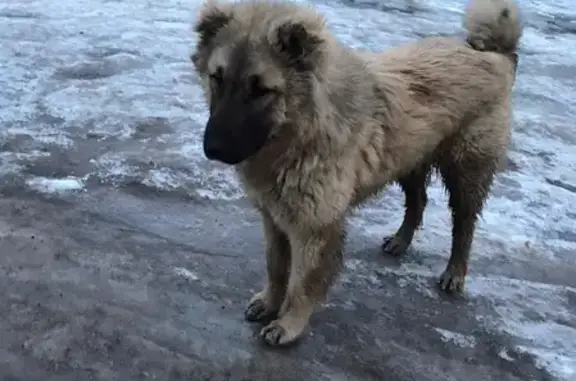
(125, 255)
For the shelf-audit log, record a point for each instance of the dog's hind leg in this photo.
(468, 182)
(315, 263)
(414, 187)
(264, 305)
(468, 171)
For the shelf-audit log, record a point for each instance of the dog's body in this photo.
(314, 128)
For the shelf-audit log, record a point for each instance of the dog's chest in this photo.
(296, 195)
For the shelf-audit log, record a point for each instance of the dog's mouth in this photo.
(233, 150)
(218, 152)
(225, 159)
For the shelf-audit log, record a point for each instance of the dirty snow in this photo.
(112, 99)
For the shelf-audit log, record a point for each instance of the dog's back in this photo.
(458, 79)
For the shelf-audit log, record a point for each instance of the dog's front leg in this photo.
(264, 305)
(315, 262)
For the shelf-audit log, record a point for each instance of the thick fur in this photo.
(341, 124)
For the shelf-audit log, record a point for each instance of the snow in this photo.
(457, 338)
(50, 186)
(535, 313)
(504, 354)
(185, 273)
(115, 66)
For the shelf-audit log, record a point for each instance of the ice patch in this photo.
(51, 186)
(406, 275)
(185, 273)
(46, 135)
(212, 194)
(537, 315)
(503, 353)
(10, 161)
(163, 179)
(560, 366)
(464, 341)
(220, 184)
(111, 168)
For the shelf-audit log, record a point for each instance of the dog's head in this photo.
(256, 62)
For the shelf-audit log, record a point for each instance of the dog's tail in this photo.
(493, 25)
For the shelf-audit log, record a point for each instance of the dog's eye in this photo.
(257, 88)
(217, 76)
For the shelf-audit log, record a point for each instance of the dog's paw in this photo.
(452, 280)
(282, 333)
(258, 310)
(395, 245)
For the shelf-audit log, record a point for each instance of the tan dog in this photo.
(313, 128)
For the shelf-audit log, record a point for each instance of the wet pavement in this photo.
(118, 286)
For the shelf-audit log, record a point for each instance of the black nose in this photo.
(212, 149)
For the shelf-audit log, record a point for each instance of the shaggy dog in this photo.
(313, 128)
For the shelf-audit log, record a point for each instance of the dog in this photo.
(313, 128)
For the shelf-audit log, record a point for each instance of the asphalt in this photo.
(117, 284)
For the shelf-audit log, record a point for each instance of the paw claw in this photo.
(257, 311)
(394, 245)
(281, 333)
(452, 280)
(272, 333)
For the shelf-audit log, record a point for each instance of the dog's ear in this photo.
(298, 43)
(212, 18)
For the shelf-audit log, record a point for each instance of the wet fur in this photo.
(343, 124)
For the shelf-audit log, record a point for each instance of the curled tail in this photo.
(493, 25)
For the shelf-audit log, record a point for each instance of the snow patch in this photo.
(563, 367)
(185, 273)
(46, 134)
(112, 168)
(461, 340)
(220, 184)
(163, 179)
(10, 161)
(503, 353)
(560, 366)
(52, 186)
(537, 315)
